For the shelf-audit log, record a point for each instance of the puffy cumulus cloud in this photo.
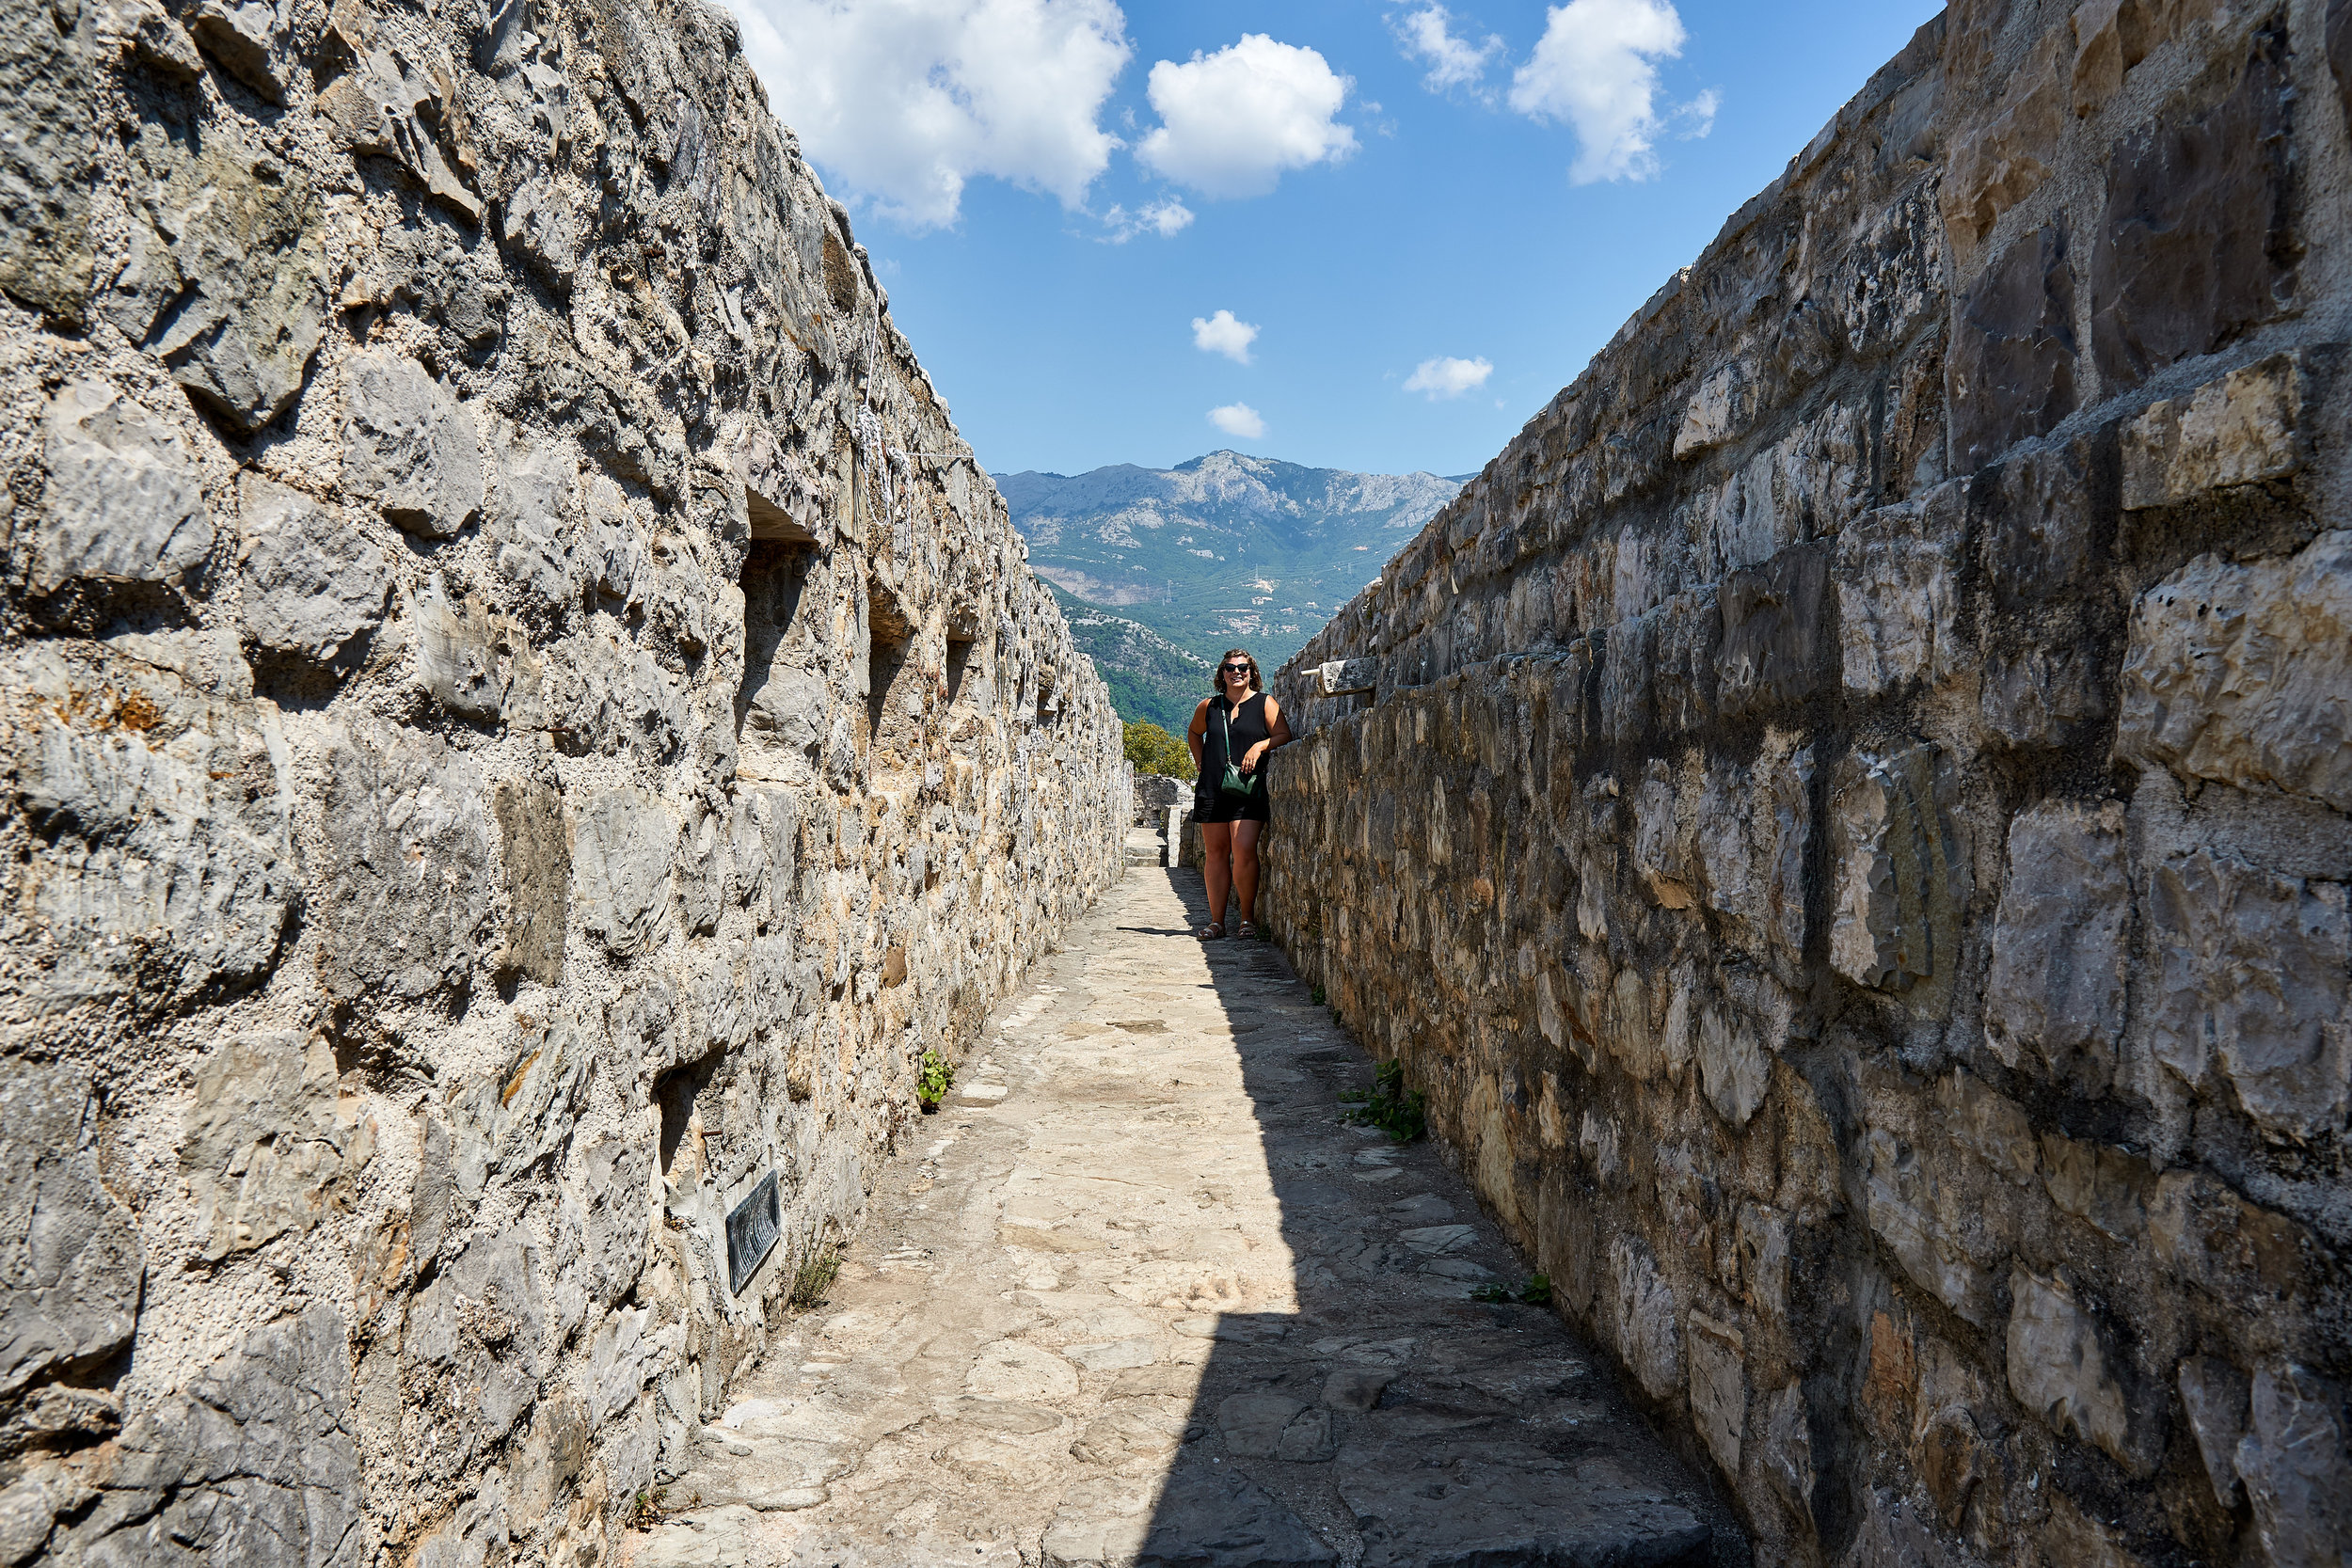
(1233, 121)
(1448, 378)
(1428, 36)
(1165, 219)
(1223, 333)
(907, 99)
(1238, 419)
(1596, 69)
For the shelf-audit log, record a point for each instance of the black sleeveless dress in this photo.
(1248, 727)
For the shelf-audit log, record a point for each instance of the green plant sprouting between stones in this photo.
(933, 1077)
(1399, 1111)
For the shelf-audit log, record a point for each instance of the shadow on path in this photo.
(1393, 1418)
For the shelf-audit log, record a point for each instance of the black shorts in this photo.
(1211, 805)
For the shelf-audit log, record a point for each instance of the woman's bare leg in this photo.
(1216, 854)
(1246, 867)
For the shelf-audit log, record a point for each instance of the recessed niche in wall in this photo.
(894, 693)
(780, 708)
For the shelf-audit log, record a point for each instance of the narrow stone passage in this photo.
(1136, 1295)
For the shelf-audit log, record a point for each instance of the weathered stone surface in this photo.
(2244, 674)
(71, 1261)
(2197, 242)
(622, 846)
(412, 446)
(2013, 354)
(249, 39)
(535, 857)
(1517, 1503)
(311, 583)
(227, 274)
(406, 891)
(2295, 1469)
(2055, 997)
(2057, 1366)
(1681, 930)
(2249, 980)
(256, 1461)
(1902, 879)
(268, 1140)
(1898, 595)
(2243, 429)
(2339, 41)
(48, 131)
(1343, 676)
(121, 500)
(1772, 646)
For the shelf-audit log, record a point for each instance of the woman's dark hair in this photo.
(1216, 676)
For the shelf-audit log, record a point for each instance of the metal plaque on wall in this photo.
(752, 1231)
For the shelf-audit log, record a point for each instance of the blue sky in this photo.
(1484, 189)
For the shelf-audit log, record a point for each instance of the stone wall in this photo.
(522, 721)
(1847, 819)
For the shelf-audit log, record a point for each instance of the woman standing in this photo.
(1230, 735)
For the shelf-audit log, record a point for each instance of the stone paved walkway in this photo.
(1136, 1296)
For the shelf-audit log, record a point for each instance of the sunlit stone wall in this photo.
(522, 721)
(1847, 817)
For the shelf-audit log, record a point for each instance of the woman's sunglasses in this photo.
(1233, 669)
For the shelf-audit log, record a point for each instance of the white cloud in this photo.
(1595, 68)
(1448, 378)
(1693, 120)
(1238, 419)
(906, 100)
(1427, 35)
(1234, 120)
(1165, 219)
(1222, 334)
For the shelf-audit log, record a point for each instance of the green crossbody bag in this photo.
(1235, 782)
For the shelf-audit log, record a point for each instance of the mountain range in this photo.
(1160, 570)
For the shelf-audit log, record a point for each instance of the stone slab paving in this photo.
(1136, 1296)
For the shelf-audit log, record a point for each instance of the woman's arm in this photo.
(1277, 733)
(1196, 734)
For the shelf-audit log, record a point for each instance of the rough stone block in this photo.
(2197, 242)
(2042, 697)
(230, 244)
(1717, 1355)
(624, 842)
(1342, 676)
(2244, 674)
(121, 500)
(477, 664)
(1898, 594)
(2216, 1395)
(1753, 831)
(2055, 996)
(406, 893)
(153, 873)
(1773, 647)
(1930, 1225)
(311, 584)
(257, 1459)
(48, 135)
(2113, 36)
(2045, 518)
(2249, 978)
(1642, 1317)
(2058, 1367)
(248, 37)
(408, 441)
(2011, 365)
(535, 859)
(267, 1140)
(2339, 38)
(2245, 428)
(2294, 1465)
(2007, 158)
(1902, 880)
(70, 1276)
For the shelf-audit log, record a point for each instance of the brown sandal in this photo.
(1212, 931)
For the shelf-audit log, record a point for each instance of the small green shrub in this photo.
(645, 1510)
(1315, 996)
(1152, 750)
(1535, 1293)
(1399, 1111)
(815, 1276)
(933, 1077)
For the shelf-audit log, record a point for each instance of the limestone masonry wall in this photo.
(521, 722)
(1849, 818)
